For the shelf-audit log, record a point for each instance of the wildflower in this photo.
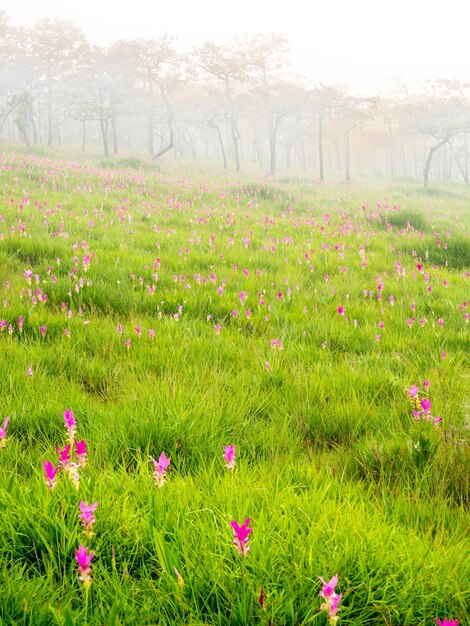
(81, 452)
(331, 598)
(229, 456)
(341, 310)
(413, 391)
(160, 469)
(29, 371)
(426, 405)
(241, 536)
(447, 622)
(84, 565)
(87, 516)
(64, 456)
(3, 432)
(70, 425)
(43, 330)
(276, 344)
(50, 473)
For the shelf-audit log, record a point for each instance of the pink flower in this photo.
(84, 565)
(341, 310)
(70, 424)
(447, 622)
(426, 404)
(160, 467)
(3, 432)
(87, 515)
(29, 372)
(229, 456)
(332, 599)
(328, 588)
(43, 330)
(50, 472)
(64, 456)
(81, 452)
(242, 536)
(413, 391)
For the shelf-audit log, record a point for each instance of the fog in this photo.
(345, 89)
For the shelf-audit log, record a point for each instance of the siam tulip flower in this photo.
(84, 565)
(87, 516)
(64, 456)
(341, 310)
(426, 405)
(70, 425)
(413, 391)
(29, 372)
(447, 622)
(160, 467)
(241, 536)
(50, 472)
(3, 432)
(331, 598)
(43, 330)
(20, 323)
(229, 456)
(81, 452)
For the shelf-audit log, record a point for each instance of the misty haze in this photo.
(235, 105)
(234, 314)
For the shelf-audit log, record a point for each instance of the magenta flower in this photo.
(328, 588)
(229, 456)
(160, 467)
(3, 432)
(413, 391)
(84, 565)
(64, 456)
(242, 536)
(81, 452)
(332, 599)
(70, 424)
(87, 516)
(50, 472)
(426, 405)
(43, 330)
(447, 622)
(341, 310)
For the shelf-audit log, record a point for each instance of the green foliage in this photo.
(201, 276)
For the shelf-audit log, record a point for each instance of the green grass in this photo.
(332, 469)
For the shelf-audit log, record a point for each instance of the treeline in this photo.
(235, 104)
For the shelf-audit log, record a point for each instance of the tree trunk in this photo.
(215, 126)
(320, 147)
(49, 108)
(347, 158)
(274, 125)
(463, 171)
(83, 136)
(104, 134)
(235, 139)
(115, 137)
(390, 145)
(427, 167)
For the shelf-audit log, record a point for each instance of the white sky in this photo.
(356, 42)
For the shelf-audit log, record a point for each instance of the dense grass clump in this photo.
(321, 331)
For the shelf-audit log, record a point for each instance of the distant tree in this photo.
(441, 113)
(60, 49)
(227, 65)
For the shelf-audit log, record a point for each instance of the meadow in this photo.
(300, 354)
